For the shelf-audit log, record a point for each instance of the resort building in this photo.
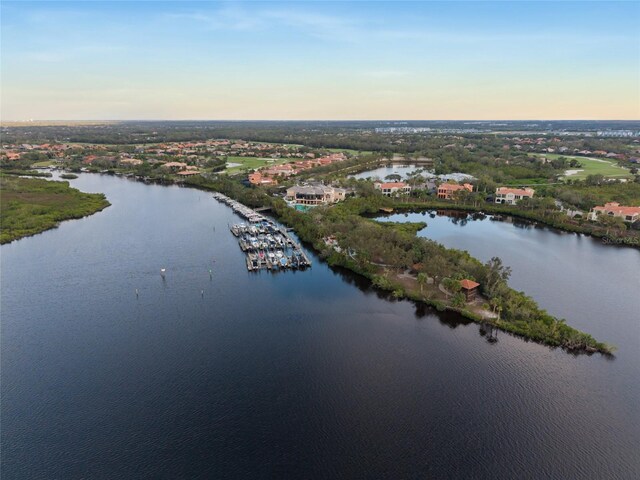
(447, 190)
(511, 196)
(614, 209)
(314, 194)
(393, 188)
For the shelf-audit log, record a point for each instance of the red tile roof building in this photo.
(393, 188)
(510, 196)
(258, 179)
(614, 209)
(446, 190)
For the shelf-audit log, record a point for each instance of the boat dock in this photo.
(266, 244)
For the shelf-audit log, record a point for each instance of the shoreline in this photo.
(507, 327)
(489, 209)
(89, 204)
(398, 291)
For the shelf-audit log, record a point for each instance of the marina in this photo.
(266, 244)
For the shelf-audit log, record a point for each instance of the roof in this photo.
(615, 207)
(453, 186)
(468, 284)
(515, 191)
(393, 185)
(311, 189)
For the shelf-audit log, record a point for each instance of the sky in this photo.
(311, 60)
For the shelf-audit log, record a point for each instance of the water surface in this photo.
(296, 375)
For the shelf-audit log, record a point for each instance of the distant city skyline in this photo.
(320, 60)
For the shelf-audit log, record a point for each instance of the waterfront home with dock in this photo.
(511, 196)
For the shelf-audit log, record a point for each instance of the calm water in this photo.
(394, 169)
(296, 375)
(406, 170)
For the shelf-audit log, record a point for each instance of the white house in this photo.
(393, 188)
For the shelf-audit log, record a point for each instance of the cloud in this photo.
(229, 18)
(314, 24)
(319, 25)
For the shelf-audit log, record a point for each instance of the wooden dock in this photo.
(267, 245)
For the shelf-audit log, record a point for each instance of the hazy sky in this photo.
(320, 60)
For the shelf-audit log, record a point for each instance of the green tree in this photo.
(497, 275)
(611, 223)
(422, 280)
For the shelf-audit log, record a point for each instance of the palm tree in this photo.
(422, 280)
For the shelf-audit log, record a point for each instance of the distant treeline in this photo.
(338, 134)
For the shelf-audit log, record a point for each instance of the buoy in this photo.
(162, 271)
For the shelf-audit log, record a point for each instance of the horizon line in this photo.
(327, 120)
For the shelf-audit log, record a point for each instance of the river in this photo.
(291, 375)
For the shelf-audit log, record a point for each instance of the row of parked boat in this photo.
(267, 245)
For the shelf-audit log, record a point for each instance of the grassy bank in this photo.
(31, 205)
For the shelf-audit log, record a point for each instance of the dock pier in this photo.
(266, 244)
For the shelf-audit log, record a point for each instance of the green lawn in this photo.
(345, 150)
(593, 166)
(252, 162)
(43, 164)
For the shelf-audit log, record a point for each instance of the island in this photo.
(32, 205)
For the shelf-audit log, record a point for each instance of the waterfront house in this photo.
(174, 166)
(469, 288)
(258, 178)
(314, 194)
(614, 209)
(447, 190)
(393, 188)
(511, 196)
(186, 173)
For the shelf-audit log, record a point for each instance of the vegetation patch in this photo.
(31, 205)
